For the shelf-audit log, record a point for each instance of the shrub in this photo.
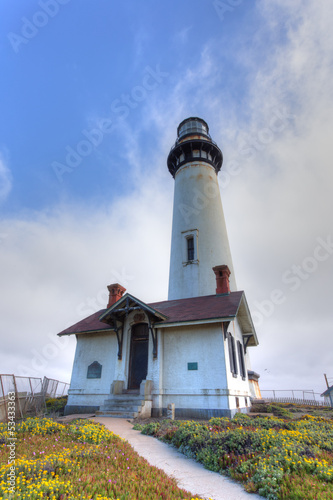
(269, 423)
(241, 419)
(87, 431)
(279, 411)
(39, 426)
(56, 405)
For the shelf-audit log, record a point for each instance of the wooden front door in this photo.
(138, 364)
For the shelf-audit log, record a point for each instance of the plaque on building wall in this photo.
(94, 370)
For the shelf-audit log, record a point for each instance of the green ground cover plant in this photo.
(279, 458)
(78, 461)
(56, 405)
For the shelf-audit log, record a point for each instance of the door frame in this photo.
(131, 342)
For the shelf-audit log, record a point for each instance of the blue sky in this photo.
(67, 76)
(91, 96)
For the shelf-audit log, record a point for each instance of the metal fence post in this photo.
(17, 396)
(4, 398)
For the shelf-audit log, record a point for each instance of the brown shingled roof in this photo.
(199, 308)
(89, 324)
(180, 310)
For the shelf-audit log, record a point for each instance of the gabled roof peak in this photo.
(127, 304)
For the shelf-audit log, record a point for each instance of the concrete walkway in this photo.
(189, 474)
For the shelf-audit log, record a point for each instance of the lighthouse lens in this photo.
(193, 127)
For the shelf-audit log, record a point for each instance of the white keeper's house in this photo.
(192, 350)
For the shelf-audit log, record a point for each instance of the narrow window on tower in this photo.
(190, 248)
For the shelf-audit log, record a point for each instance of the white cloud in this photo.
(55, 268)
(281, 201)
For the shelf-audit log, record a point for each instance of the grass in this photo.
(80, 460)
(279, 458)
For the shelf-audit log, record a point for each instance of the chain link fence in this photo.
(296, 396)
(30, 394)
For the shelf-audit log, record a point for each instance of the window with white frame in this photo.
(190, 247)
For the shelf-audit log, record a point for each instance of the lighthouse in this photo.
(199, 240)
(189, 353)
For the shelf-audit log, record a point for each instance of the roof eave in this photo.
(249, 331)
(106, 330)
(165, 324)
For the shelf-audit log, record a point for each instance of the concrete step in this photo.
(117, 414)
(136, 408)
(126, 405)
(127, 400)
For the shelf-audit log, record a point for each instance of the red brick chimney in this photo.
(116, 292)
(222, 274)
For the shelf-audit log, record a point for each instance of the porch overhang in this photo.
(116, 315)
(128, 303)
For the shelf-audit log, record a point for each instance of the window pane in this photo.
(193, 126)
(190, 248)
(241, 359)
(232, 354)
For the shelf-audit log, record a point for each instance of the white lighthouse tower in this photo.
(190, 351)
(199, 235)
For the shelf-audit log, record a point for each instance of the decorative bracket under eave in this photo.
(246, 341)
(127, 309)
(120, 334)
(225, 325)
(153, 336)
